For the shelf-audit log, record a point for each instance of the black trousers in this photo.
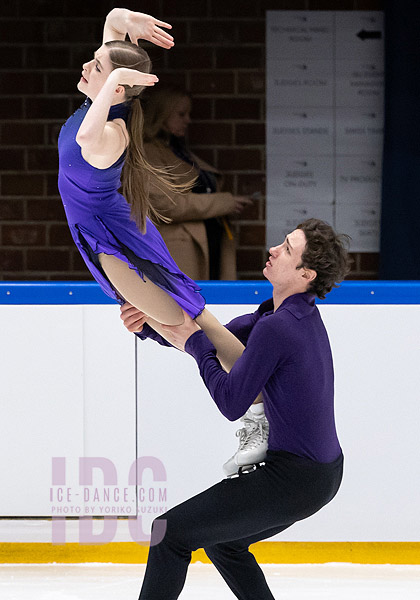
(231, 515)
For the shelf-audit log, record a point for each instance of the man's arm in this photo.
(242, 326)
(135, 321)
(234, 392)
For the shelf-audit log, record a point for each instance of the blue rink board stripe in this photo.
(221, 292)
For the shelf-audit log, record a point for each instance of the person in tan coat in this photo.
(198, 236)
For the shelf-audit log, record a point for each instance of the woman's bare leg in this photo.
(228, 347)
(162, 309)
(141, 293)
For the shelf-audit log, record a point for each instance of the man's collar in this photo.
(299, 305)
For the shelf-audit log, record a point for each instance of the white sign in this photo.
(325, 86)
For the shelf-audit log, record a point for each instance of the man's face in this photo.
(281, 267)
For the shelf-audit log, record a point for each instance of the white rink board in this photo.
(68, 390)
(376, 353)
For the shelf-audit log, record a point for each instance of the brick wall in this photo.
(219, 56)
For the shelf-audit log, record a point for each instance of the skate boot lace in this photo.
(253, 434)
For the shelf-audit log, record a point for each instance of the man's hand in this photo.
(179, 334)
(132, 318)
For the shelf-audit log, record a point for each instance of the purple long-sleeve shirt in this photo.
(288, 358)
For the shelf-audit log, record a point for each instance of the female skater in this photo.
(120, 245)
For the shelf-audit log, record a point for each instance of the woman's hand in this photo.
(131, 77)
(121, 21)
(179, 334)
(148, 28)
(132, 318)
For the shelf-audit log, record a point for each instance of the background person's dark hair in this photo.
(326, 252)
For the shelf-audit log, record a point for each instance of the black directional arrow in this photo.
(369, 35)
(369, 19)
(371, 163)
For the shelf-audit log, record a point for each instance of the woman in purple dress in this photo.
(119, 243)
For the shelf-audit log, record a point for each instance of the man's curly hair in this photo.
(326, 252)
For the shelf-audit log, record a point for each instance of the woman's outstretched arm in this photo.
(97, 136)
(121, 22)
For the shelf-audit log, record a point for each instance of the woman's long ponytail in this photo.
(138, 174)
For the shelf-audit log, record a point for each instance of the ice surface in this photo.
(95, 581)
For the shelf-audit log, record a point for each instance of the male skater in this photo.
(287, 358)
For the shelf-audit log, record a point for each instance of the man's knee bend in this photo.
(220, 551)
(166, 530)
(211, 552)
(159, 528)
(215, 552)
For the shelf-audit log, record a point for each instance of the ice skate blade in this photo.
(244, 459)
(245, 469)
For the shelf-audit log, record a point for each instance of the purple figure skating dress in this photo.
(99, 220)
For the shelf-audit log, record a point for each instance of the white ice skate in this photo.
(252, 449)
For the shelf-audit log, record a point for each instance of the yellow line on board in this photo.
(406, 553)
